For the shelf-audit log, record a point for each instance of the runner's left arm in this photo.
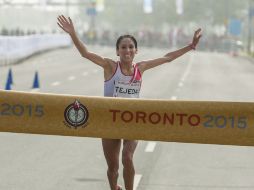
(145, 65)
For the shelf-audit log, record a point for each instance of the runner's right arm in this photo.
(68, 27)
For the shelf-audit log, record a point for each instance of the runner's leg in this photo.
(111, 149)
(129, 147)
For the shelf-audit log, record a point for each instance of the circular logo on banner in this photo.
(76, 115)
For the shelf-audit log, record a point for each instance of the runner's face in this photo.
(126, 50)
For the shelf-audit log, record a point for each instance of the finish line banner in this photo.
(226, 123)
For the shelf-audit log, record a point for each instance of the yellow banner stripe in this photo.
(227, 123)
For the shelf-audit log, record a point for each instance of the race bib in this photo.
(126, 89)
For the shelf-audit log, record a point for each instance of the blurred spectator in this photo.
(4, 32)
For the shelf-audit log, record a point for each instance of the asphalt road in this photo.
(40, 162)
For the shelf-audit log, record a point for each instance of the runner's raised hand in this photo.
(66, 24)
(196, 37)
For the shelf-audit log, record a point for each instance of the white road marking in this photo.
(187, 71)
(55, 83)
(180, 84)
(71, 77)
(137, 179)
(150, 146)
(85, 73)
(185, 75)
(173, 97)
(35, 90)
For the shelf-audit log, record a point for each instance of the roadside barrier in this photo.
(17, 48)
(207, 122)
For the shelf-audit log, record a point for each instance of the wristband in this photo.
(192, 46)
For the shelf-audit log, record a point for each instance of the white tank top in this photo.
(121, 85)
